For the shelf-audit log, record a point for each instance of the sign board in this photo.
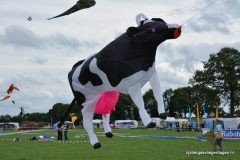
(231, 134)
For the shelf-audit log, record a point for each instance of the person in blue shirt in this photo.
(58, 130)
(218, 136)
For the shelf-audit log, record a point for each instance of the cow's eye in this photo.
(153, 29)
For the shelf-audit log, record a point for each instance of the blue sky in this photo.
(37, 55)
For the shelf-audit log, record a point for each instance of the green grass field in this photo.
(116, 148)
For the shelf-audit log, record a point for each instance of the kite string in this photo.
(183, 10)
(186, 10)
(210, 3)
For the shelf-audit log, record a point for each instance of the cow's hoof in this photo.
(109, 134)
(97, 145)
(151, 125)
(163, 116)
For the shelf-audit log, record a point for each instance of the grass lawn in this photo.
(117, 148)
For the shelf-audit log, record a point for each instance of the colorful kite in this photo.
(22, 113)
(11, 88)
(81, 4)
(124, 66)
(29, 18)
(74, 118)
(5, 98)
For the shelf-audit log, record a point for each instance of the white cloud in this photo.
(22, 37)
(38, 60)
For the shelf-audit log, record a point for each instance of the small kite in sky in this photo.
(81, 4)
(29, 18)
(22, 113)
(5, 98)
(11, 88)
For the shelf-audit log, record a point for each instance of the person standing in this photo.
(66, 127)
(58, 130)
(218, 136)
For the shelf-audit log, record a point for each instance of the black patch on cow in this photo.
(86, 75)
(158, 19)
(77, 64)
(132, 52)
(80, 98)
(120, 59)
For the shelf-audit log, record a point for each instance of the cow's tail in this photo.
(66, 113)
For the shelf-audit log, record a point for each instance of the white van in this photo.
(9, 126)
(97, 123)
(126, 124)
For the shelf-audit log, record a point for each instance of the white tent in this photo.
(228, 123)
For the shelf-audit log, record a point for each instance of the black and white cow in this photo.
(125, 65)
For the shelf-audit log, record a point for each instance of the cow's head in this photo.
(153, 31)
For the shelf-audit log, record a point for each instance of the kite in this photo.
(11, 88)
(22, 112)
(81, 4)
(5, 98)
(74, 118)
(29, 18)
(13, 101)
(124, 66)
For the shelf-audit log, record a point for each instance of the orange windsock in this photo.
(5, 98)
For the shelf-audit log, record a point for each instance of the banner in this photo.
(231, 134)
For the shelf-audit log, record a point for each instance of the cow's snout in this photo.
(177, 32)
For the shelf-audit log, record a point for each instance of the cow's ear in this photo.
(131, 31)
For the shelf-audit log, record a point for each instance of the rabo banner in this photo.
(231, 134)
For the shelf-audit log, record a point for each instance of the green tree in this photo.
(221, 73)
(6, 118)
(177, 101)
(57, 111)
(150, 103)
(36, 117)
(125, 109)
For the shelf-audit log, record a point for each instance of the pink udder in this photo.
(107, 102)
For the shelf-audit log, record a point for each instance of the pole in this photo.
(198, 117)
(217, 107)
(51, 123)
(190, 116)
(216, 112)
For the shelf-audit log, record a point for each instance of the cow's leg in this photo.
(88, 113)
(155, 84)
(107, 128)
(136, 95)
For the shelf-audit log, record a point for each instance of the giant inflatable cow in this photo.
(125, 65)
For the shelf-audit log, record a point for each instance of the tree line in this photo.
(217, 83)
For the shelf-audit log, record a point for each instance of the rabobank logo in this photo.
(231, 134)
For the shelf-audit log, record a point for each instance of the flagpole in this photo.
(217, 107)
(198, 116)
